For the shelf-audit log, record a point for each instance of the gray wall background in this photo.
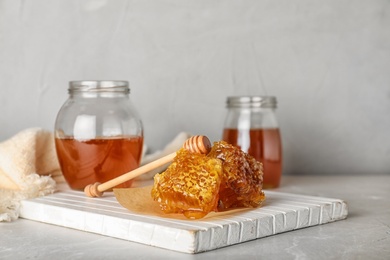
(327, 62)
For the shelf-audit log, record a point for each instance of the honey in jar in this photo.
(98, 133)
(251, 125)
(97, 160)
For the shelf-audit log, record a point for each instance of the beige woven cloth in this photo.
(29, 167)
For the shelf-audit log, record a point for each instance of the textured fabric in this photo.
(28, 168)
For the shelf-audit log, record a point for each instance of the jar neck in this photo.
(106, 94)
(250, 113)
(251, 102)
(98, 88)
(252, 109)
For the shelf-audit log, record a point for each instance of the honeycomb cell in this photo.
(189, 186)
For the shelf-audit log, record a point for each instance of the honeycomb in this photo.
(196, 184)
(189, 186)
(242, 180)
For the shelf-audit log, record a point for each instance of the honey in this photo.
(242, 180)
(251, 124)
(98, 160)
(265, 146)
(189, 186)
(196, 184)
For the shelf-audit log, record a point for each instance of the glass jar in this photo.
(98, 133)
(251, 125)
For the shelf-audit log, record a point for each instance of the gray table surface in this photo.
(365, 234)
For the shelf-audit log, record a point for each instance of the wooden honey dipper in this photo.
(198, 144)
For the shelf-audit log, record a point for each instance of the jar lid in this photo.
(252, 101)
(99, 86)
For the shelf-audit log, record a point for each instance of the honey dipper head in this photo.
(198, 144)
(92, 191)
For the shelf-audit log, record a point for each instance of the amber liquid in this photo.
(263, 144)
(98, 160)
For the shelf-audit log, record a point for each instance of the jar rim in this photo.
(251, 101)
(99, 86)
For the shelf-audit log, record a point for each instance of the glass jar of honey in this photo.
(98, 133)
(251, 124)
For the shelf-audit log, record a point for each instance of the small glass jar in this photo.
(98, 133)
(251, 124)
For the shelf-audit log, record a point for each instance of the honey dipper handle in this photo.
(97, 189)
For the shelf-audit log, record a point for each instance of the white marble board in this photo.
(281, 212)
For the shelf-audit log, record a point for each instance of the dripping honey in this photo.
(98, 160)
(264, 145)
